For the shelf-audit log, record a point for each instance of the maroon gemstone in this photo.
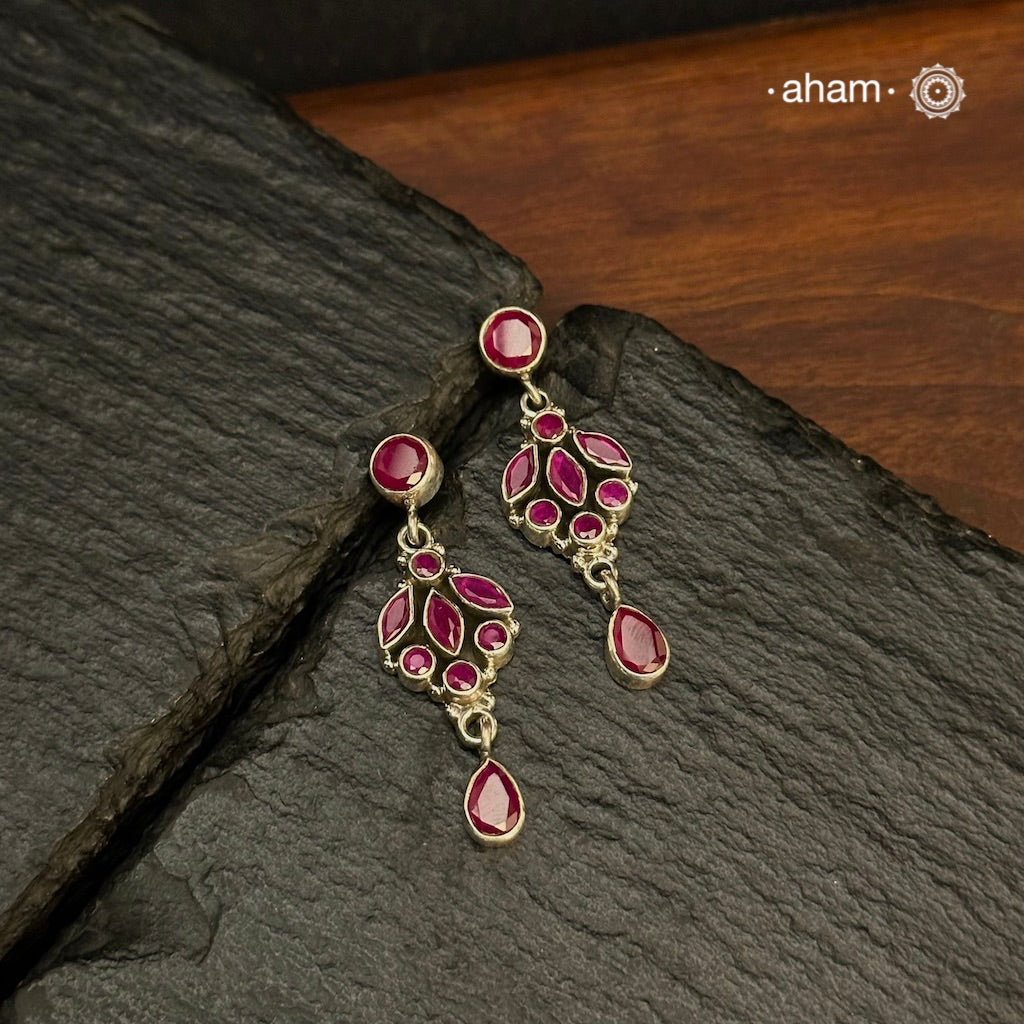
(461, 676)
(542, 513)
(603, 450)
(639, 644)
(511, 339)
(587, 527)
(612, 494)
(480, 592)
(395, 617)
(399, 463)
(549, 426)
(425, 564)
(566, 477)
(493, 804)
(417, 661)
(520, 473)
(444, 622)
(491, 636)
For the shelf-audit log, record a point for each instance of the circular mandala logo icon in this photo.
(937, 91)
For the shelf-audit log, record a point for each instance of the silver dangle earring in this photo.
(446, 633)
(571, 490)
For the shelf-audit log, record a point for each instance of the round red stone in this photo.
(542, 513)
(399, 463)
(549, 426)
(461, 676)
(491, 636)
(639, 644)
(511, 340)
(417, 661)
(587, 527)
(613, 494)
(493, 804)
(425, 564)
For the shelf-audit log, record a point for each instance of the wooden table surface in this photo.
(860, 261)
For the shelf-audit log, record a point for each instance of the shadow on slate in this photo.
(209, 315)
(815, 817)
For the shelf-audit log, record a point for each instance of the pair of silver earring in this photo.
(446, 632)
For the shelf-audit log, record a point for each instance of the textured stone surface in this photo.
(209, 315)
(816, 815)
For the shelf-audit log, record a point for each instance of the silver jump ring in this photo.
(488, 730)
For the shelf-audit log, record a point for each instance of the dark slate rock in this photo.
(815, 817)
(209, 313)
(308, 44)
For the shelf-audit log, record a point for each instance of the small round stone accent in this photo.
(461, 676)
(417, 661)
(549, 426)
(425, 564)
(587, 528)
(542, 513)
(491, 637)
(612, 494)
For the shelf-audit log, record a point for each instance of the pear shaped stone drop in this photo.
(494, 807)
(637, 650)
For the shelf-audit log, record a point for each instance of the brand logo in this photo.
(937, 91)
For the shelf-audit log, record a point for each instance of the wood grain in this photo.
(861, 262)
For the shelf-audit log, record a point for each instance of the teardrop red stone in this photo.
(493, 803)
(639, 644)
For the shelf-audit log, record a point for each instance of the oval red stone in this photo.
(399, 463)
(443, 622)
(461, 676)
(566, 477)
(603, 450)
(587, 527)
(542, 512)
(491, 636)
(520, 473)
(511, 340)
(494, 806)
(395, 617)
(480, 592)
(639, 645)
(612, 494)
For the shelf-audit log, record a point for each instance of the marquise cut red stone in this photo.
(520, 473)
(480, 592)
(512, 339)
(395, 617)
(603, 450)
(566, 477)
(493, 804)
(443, 622)
(639, 644)
(399, 463)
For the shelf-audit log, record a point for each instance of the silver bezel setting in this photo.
(630, 679)
(541, 349)
(425, 488)
(482, 837)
